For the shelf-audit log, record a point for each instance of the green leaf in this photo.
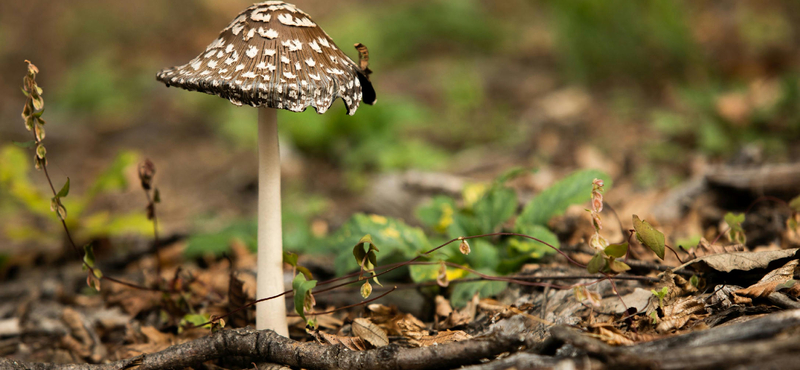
(218, 242)
(695, 281)
(529, 248)
(495, 207)
(194, 320)
(736, 232)
(596, 263)
(734, 220)
(574, 189)
(463, 292)
(437, 214)
(397, 240)
(290, 258)
(618, 266)
(301, 288)
(26, 144)
(511, 175)
(485, 255)
(304, 271)
(88, 255)
(41, 152)
(366, 258)
(650, 237)
(114, 177)
(420, 273)
(64, 190)
(617, 250)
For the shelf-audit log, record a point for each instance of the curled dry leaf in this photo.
(443, 308)
(491, 305)
(441, 337)
(463, 316)
(373, 334)
(681, 312)
(352, 343)
(441, 278)
(770, 281)
(396, 323)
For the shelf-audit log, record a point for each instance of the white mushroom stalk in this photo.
(270, 314)
(273, 56)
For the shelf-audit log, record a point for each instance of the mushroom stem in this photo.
(270, 314)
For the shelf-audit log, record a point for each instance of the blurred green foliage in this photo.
(720, 121)
(298, 211)
(19, 194)
(483, 209)
(619, 39)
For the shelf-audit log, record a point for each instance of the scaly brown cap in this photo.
(273, 55)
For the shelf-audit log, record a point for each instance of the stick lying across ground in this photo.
(266, 346)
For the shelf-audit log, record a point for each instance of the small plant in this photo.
(605, 259)
(735, 231)
(484, 209)
(661, 294)
(365, 253)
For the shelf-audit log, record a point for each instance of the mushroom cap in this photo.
(273, 55)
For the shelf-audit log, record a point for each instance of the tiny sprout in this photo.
(464, 246)
(661, 294)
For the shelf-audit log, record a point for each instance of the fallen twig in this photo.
(268, 346)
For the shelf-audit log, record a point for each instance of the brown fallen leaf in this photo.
(463, 316)
(638, 299)
(441, 337)
(770, 281)
(678, 314)
(491, 306)
(704, 248)
(394, 322)
(352, 343)
(373, 334)
(608, 333)
(443, 308)
(744, 261)
(148, 340)
(80, 340)
(133, 301)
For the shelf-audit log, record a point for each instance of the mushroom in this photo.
(273, 56)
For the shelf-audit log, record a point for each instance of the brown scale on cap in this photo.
(274, 55)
